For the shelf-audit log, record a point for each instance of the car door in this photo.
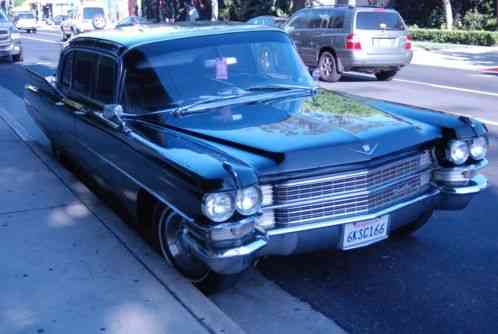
(103, 143)
(47, 102)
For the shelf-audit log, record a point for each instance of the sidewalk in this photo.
(464, 57)
(70, 266)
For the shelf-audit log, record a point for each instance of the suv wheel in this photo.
(328, 67)
(386, 75)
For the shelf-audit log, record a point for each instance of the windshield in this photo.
(174, 73)
(90, 12)
(379, 21)
(3, 18)
(27, 16)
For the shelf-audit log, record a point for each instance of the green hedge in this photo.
(484, 38)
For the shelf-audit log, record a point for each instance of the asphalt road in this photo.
(442, 280)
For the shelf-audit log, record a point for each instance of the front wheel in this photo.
(17, 58)
(409, 229)
(168, 230)
(385, 75)
(327, 66)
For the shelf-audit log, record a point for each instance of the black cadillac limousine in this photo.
(218, 141)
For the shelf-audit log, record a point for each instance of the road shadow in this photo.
(439, 280)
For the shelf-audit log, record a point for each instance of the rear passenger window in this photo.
(67, 71)
(84, 71)
(326, 19)
(106, 81)
(379, 20)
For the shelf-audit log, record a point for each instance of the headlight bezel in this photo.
(239, 200)
(210, 214)
(450, 150)
(236, 203)
(478, 157)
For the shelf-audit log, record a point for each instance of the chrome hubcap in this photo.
(326, 66)
(171, 231)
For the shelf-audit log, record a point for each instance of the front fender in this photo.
(452, 126)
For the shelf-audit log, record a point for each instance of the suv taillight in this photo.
(353, 42)
(408, 42)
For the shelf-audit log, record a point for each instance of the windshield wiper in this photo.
(281, 87)
(187, 108)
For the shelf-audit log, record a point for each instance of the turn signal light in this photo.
(353, 42)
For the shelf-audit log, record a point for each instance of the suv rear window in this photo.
(377, 20)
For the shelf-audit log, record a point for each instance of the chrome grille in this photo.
(351, 193)
(4, 35)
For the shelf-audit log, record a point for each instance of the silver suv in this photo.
(10, 42)
(339, 39)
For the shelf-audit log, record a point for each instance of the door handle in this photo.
(81, 112)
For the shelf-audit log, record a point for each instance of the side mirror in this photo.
(114, 113)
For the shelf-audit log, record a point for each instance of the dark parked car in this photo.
(59, 19)
(272, 21)
(340, 39)
(132, 21)
(217, 140)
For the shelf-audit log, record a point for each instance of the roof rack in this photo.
(348, 3)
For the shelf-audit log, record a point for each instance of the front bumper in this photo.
(11, 49)
(446, 194)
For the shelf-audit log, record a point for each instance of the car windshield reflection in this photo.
(161, 74)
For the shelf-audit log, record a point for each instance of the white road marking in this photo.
(41, 40)
(458, 89)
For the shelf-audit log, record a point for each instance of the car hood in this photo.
(306, 132)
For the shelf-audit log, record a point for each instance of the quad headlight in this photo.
(218, 206)
(248, 200)
(479, 148)
(457, 152)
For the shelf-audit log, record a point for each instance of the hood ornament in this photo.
(367, 149)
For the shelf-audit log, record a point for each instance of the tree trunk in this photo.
(448, 11)
(215, 10)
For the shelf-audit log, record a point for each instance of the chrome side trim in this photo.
(320, 199)
(139, 183)
(323, 223)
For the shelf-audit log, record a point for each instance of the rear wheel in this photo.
(327, 66)
(386, 75)
(409, 229)
(168, 230)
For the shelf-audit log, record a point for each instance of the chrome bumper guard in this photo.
(458, 185)
(454, 188)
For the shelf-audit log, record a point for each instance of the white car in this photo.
(26, 21)
(10, 43)
(84, 19)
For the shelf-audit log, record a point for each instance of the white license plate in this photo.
(383, 43)
(364, 233)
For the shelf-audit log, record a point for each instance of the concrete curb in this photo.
(198, 305)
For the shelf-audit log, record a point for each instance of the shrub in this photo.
(473, 20)
(484, 38)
